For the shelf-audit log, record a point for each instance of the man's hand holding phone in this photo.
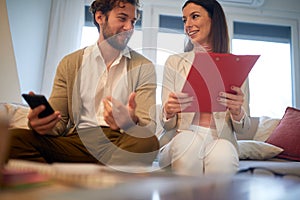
(42, 122)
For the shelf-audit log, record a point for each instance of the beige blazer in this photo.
(65, 98)
(176, 70)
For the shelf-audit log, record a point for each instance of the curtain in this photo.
(66, 21)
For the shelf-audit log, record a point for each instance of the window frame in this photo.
(153, 12)
(269, 20)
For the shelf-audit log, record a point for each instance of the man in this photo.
(103, 96)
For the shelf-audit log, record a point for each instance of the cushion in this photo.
(265, 128)
(287, 135)
(17, 114)
(257, 150)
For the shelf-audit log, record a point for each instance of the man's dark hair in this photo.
(106, 6)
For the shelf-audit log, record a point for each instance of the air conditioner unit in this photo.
(247, 3)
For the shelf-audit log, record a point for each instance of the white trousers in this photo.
(199, 151)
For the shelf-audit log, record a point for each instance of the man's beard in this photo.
(119, 40)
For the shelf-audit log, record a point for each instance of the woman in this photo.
(204, 142)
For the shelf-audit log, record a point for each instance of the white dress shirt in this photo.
(97, 83)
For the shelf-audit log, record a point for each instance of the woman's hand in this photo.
(176, 103)
(233, 102)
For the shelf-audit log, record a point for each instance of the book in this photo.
(22, 179)
(212, 73)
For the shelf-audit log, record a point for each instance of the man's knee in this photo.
(22, 144)
(146, 145)
(19, 136)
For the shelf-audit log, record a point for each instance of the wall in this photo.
(9, 84)
(29, 22)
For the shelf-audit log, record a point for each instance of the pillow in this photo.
(17, 114)
(265, 128)
(257, 150)
(287, 135)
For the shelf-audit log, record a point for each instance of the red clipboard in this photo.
(212, 73)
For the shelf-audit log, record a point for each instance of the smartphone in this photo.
(36, 100)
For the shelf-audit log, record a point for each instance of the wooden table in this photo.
(191, 188)
(110, 184)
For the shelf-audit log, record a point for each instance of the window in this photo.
(170, 40)
(170, 30)
(270, 80)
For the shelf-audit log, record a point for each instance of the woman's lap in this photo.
(192, 153)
